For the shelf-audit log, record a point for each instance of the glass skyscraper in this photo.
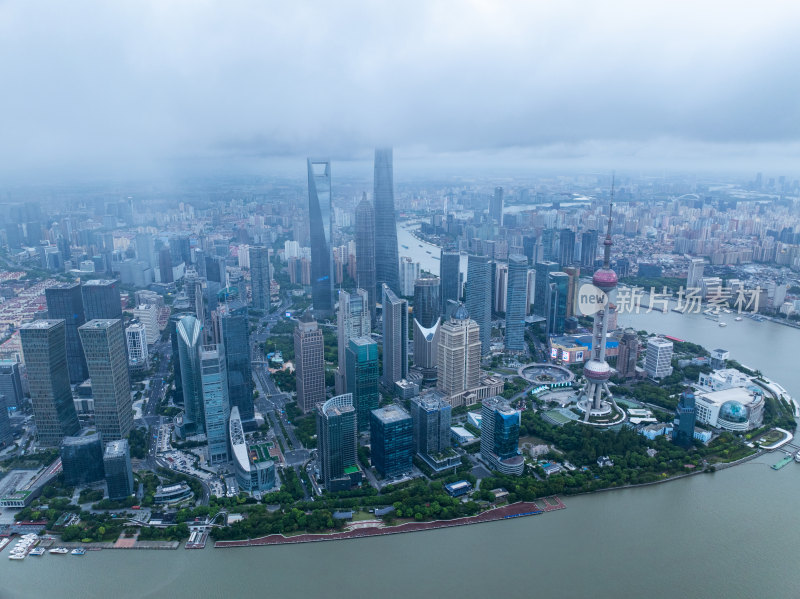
(543, 269)
(449, 273)
(683, 433)
(189, 339)
(82, 459)
(45, 349)
(517, 298)
(235, 340)
(500, 436)
(395, 338)
(216, 407)
(362, 377)
(118, 470)
(64, 301)
(556, 302)
(106, 357)
(427, 308)
(11, 383)
(337, 438)
(479, 297)
(566, 247)
(365, 252)
(101, 299)
(259, 277)
(320, 215)
(391, 440)
(387, 260)
(309, 363)
(353, 320)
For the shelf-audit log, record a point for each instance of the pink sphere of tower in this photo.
(597, 371)
(605, 279)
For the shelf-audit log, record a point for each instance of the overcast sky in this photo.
(131, 88)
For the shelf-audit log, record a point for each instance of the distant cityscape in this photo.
(253, 359)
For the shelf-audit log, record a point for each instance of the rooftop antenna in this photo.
(608, 243)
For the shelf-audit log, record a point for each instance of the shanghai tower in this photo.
(319, 215)
(365, 252)
(387, 261)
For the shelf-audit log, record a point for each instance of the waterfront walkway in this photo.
(514, 510)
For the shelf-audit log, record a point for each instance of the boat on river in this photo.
(59, 550)
(78, 551)
(723, 324)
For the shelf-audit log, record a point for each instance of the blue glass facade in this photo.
(683, 432)
(387, 260)
(391, 440)
(362, 377)
(320, 214)
(517, 297)
(479, 297)
(64, 301)
(82, 459)
(235, 340)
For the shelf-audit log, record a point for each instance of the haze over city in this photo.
(155, 90)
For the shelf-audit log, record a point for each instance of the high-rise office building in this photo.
(459, 354)
(427, 301)
(556, 302)
(64, 301)
(144, 248)
(365, 252)
(44, 345)
(252, 475)
(449, 269)
(479, 298)
(427, 308)
(309, 362)
(11, 383)
(500, 436)
(694, 275)
(391, 440)
(547, 241)
(216, 407)
(683, 432)
(409, 272)
(361, 364)
(395, 338)
(628, 354)
(106, 357)
(259, 277)
(82, 458)
(658, 358)
(165, 265)
(147, 314)
(515, 305)
(574, 274)
(235, 341)
(136, 343)
(588, 248)
(431, 416)
(353, 319)
(566, 247)
(101, 299)
(118, 470)
(189, 333)
(543, 270)
(496, 206)
(337, 439)
(6, 436)
(386, 253)
(499, 287)
(320, 213)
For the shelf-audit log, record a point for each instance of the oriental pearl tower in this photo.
(595, 398)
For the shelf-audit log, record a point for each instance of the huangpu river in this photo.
(732, 534)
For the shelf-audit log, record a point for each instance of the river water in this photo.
(729, 534)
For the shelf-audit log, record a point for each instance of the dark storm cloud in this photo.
(130, 85)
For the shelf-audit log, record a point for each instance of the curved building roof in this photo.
(338, 404)
(189, 329)
(236, 432)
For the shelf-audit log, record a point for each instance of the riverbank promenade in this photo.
(373, 528)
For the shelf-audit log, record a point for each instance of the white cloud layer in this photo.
(151, 85)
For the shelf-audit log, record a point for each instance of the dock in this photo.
(197, 540)
(785, 460)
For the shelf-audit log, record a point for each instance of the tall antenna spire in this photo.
(608, 243)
